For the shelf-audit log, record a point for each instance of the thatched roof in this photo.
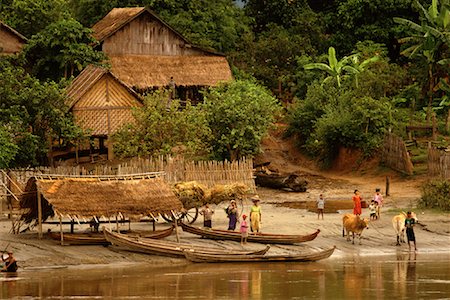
(87, 197)
(145, 71)
(3, 26)
(88, 78)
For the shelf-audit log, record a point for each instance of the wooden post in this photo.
(61, 230)
(387, 185)
(434, 127)
(117, 223)
(39, 199)
(175, 221)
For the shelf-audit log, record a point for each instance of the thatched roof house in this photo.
(101, 102)
(88, 197)
(145, 52)
(10, 40)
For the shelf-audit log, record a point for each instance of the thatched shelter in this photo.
(101, 103)
(88, 197)
(147, 53)
(11, 41)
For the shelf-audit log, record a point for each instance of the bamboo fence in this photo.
(395, 155)
(438, 163)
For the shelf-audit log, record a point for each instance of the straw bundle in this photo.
(191, 194)
(220, 193)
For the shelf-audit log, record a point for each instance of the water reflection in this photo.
(402, 276)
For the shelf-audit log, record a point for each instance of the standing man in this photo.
(410, 221)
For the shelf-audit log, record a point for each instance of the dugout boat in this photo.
(265, 238)
(168, 248)
(300, 257)
(98, 238)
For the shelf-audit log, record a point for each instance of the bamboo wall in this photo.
(438, 163)
(146, 35)
(395, 155)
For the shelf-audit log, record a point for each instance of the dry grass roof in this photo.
(87, 197)
(88, 78)
(145, 71)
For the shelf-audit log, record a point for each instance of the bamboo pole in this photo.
(175, 221)
(61, 230)
(117, 224)
(39, 199)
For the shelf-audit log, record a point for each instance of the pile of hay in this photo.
(220, 193)
(191, 194)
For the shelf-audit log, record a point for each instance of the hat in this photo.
(255, 198)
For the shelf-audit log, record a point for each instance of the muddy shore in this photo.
(433, 232)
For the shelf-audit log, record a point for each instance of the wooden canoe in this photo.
(98, 238)
(301, 257)
(265, 238)
(168, 248)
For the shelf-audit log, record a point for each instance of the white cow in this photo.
(398, 222)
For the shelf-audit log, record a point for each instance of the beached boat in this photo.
(168, 248)
(301, 257)
(98, 238)
(265, 238)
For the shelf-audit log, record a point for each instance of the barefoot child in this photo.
(320, 206)
(409, 224)
(244, 230)
(373, 210)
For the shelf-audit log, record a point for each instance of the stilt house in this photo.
(11, 41)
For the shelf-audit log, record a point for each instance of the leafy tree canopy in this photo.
(239, 114)
(31, 16)
(62, 49)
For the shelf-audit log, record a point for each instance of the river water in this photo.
(404, 276)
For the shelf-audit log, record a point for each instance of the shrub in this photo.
(436, 194)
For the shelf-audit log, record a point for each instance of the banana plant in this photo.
(430, 40)
(334, 68)
(357, 67)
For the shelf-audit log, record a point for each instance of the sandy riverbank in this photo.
(433, 233)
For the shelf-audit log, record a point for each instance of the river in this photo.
(404, 276)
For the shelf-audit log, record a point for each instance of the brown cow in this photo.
(355, 225)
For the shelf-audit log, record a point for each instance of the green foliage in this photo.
(161, 126)
(239, 114)
(31, 16)
(61, 49)
(436, 194)
(32, 110)
(8, 149)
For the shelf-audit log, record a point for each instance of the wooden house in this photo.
(11, 41)
(145, 53)
(101, 103)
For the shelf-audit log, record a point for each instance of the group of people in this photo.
(374, 206)
(234, 218)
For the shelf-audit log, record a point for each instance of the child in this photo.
(373, 210)
(320, 206)
(207, 216)
(409, 224)
(244, 230)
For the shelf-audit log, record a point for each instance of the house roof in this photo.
(144, 71)
(88, 78)
(10, 29)
(119, 17)
(87, 197)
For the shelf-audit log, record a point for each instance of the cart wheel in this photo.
(188, 216)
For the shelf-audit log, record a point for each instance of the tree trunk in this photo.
(430, 91)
